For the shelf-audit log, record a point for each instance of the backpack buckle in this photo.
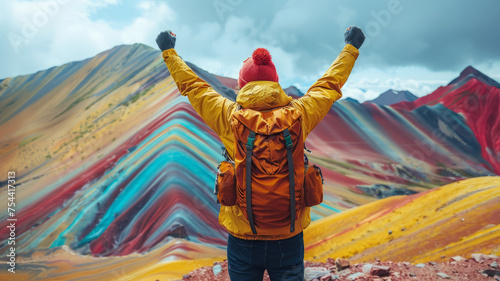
(250, 140)
(288, 139)
(250, 143)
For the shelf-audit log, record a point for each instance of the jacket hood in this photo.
(262, 95)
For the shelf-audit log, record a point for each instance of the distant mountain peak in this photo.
(470, 69)
(293, 91)
(391, 96)
(349, 99)
(133, 46)
(469, 73)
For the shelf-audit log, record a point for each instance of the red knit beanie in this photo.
(258, 67)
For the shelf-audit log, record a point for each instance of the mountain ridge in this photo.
(470, 72)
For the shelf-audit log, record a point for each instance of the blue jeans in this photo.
(283, 259)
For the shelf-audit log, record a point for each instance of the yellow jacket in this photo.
(216, 111)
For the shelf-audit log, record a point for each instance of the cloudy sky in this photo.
(411, 45)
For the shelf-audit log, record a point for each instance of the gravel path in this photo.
(475, 268)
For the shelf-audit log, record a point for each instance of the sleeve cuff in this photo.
(351, 50)
(171, 52)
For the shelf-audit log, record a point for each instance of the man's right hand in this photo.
(354, 36)
(166, 40)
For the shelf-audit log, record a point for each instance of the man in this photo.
(252, 250)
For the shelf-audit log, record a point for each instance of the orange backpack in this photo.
(268, 144)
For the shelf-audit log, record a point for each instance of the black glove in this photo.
(354, 36)
(166, 40)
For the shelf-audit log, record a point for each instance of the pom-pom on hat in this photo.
(257, 68)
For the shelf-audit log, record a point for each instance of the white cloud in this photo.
(359, 94)
(367, 83)
(154, 17)
(53, 32)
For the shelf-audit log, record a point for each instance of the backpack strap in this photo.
(291, 172)
(248, 183)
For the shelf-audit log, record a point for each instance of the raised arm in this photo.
(318, 100)
(212, 107)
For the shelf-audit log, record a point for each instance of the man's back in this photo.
(251, 249)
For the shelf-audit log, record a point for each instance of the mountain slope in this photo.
(113, 161)
(477, 98)
(464, 219)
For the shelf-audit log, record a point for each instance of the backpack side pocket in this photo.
(313, 186)
(225, 184)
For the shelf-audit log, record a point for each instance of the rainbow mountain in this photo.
(111, 161)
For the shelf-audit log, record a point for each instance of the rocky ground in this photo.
(477, 267)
